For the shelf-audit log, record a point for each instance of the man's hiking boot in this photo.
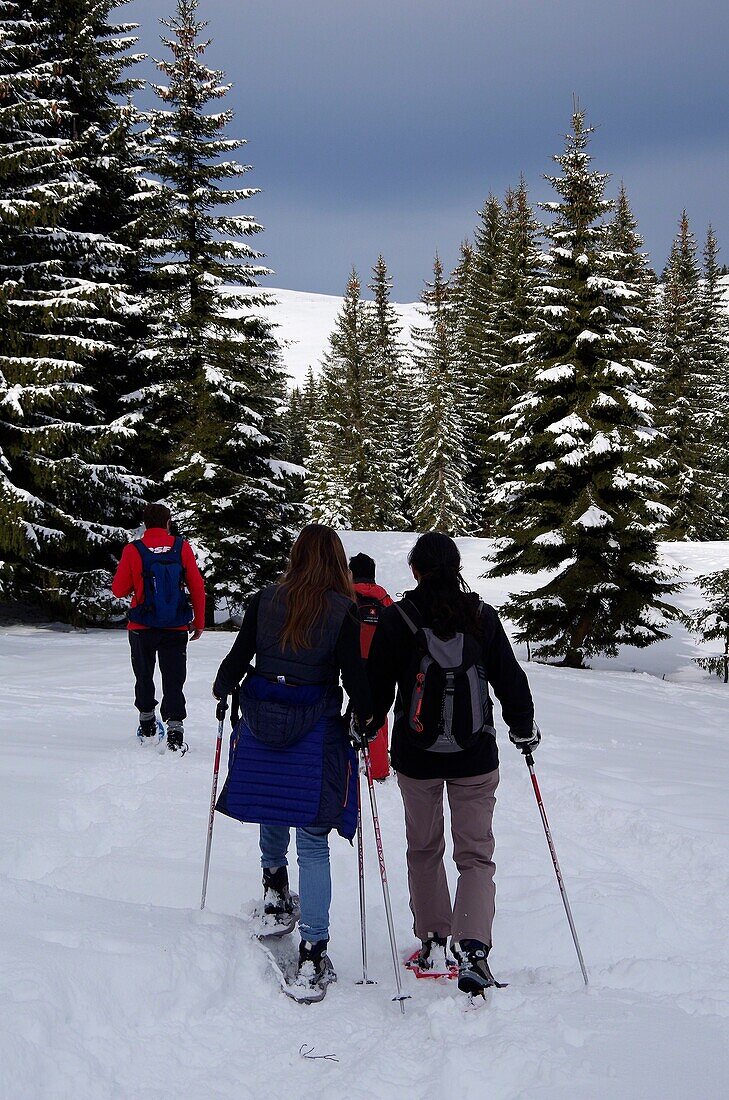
(474, 975)
(175, 743)
(147, 728)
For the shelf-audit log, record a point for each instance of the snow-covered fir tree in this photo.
(339, 471)
(683, 396)
(441, 497)
(714, 382)
(65, 497)
(710, 622)
(518, 276)
(217, 385)
(584, 504)
(473, 286)
(388, 401)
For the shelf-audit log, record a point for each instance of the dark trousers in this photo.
(170, 646)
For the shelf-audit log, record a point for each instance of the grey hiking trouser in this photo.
(471, 801)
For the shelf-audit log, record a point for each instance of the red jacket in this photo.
(128, 579)
(375, 592)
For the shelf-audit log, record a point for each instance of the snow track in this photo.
(114, 985)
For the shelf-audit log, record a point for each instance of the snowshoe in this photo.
(433, 959)
(150, 729)
(315, 973)
(474, 975)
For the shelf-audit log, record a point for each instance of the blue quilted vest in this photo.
(312, 782)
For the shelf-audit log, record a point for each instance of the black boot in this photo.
(175, 743)
(433, 954)
(277, 901)
(147, 728)
(474, 975)
(315, 970)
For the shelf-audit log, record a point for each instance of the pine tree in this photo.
(294, 426)
(682, 396)
(441, 497)
(338, 484)
(518, 275)
(714, 383)
(583, 507)
(386, 414)
(217, 386)
(64, 495)
(481, 346)
(711, 622)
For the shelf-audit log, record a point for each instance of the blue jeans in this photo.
(315, 880)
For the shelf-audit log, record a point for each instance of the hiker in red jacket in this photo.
(159, 571)
(371, 598)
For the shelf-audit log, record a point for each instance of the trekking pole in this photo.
(400, 996)
(360, 857)
(220, 715)
(548, 833)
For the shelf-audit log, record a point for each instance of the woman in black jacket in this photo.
(443, 736)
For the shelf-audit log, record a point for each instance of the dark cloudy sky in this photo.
(381, 125)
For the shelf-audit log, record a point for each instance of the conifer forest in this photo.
(559, 395)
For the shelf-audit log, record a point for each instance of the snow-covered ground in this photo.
(304, 322)
(114, 985)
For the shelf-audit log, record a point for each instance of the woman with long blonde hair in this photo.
(291, 763)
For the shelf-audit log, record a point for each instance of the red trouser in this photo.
(379, 759)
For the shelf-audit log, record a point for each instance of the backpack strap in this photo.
(448, 696)
(413, 621)
(411, 616)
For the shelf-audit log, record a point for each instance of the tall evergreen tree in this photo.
(441, 497)
(710, 622)
(584, 505)
(64, 495)
(518, 276)
(481, 345)
(386, 411)
(216, 380)
(682, 396)
(339, 472)
(714, 381)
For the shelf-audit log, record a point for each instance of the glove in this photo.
(222, 707)
(361, 735)
(526, 742)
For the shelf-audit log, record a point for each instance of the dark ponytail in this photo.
(452, 605)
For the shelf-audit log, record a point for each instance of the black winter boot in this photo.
(315, 970)
(474, 975)
(433, 954)
(147, 728)
(277, 901)
(175, 743)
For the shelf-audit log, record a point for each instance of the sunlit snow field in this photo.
(114, 985)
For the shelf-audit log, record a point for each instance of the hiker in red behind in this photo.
(371, 598)
(158, 571)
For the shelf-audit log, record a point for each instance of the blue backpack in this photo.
(165, 603)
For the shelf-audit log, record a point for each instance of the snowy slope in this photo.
(304, 322)
(114, 985)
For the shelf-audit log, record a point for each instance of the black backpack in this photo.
(449, 708)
